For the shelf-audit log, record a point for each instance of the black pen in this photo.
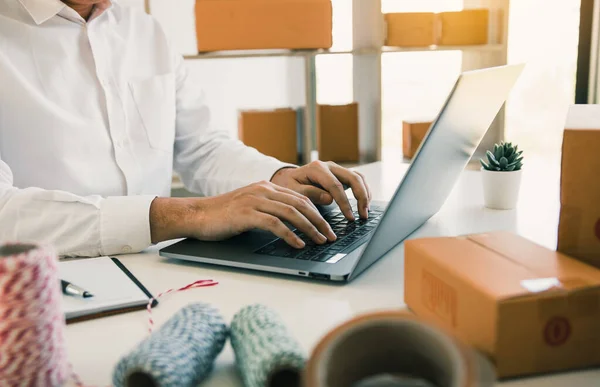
(74, 290)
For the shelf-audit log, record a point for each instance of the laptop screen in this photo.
(472, 106)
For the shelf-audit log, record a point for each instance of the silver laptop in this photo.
(450, 143)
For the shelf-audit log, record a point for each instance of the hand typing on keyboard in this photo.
(289, 197)
(324, 182)
(261, 205)
(349, 235)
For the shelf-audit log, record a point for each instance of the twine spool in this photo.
(32, 341)
(181, 353)
(265, 352)
(394, 349)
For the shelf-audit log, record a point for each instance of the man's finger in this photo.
(326, 179)
(292, 192)
(290, 214)
(315, 194)
(310, 212)
(364, 179)
(275, 225)
(358, 186)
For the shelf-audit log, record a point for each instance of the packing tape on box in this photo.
(266, 354)
(32, 339)
(181, 353)
(394, 349)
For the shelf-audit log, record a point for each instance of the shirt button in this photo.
(126, 249)
(105, 82)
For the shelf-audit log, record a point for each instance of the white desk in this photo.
(310, 309)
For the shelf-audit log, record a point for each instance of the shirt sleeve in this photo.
(84, 226)
(206, 159)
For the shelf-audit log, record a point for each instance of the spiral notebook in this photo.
(115, 289)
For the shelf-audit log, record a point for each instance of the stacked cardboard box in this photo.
(413, 133)
(528, 308)
(466, 27)
(263, 24)
(411, 29)
(337, 133)
(579, 226)
(279, 132)
(271, 132)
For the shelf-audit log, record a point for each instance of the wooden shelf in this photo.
(234, 54)
(483, 47)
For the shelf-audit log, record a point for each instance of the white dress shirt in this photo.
(94, 117)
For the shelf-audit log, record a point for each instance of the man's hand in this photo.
(262, 205)
(323, 183)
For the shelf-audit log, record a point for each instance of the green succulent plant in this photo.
(504, 158)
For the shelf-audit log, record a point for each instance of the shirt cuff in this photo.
(125, 224)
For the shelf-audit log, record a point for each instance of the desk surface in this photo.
(310, 309)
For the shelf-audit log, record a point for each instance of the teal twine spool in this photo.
(266, 353)
(179, 354)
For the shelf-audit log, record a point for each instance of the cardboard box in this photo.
(467, 27)
(271, 132)
(579, 225)
(528, 308)
(337, 133)
(415, 29)
(413, 133)
(263, 24)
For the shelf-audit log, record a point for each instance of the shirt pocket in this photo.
(155, 102)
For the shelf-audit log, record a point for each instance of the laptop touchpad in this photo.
(253, 239)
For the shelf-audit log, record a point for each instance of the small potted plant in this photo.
(501, 174)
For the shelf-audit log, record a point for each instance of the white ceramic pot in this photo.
(501, 189)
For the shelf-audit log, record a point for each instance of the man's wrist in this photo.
(279, 175)
(170, 218)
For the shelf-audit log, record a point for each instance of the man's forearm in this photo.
(170, 218)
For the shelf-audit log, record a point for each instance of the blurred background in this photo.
(544, 34)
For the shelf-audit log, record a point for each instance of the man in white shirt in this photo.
(96, 111)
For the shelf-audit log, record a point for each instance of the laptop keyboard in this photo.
(349, 234)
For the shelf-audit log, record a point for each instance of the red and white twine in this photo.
(32, 344)
(196, 284)
(32, 325)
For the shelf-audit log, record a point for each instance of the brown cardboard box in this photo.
(272, 132)
(263, 24)
(415, 29)
(413, 133)
(465, 27)
(337, 132)
(529, 309)
(579, 226)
